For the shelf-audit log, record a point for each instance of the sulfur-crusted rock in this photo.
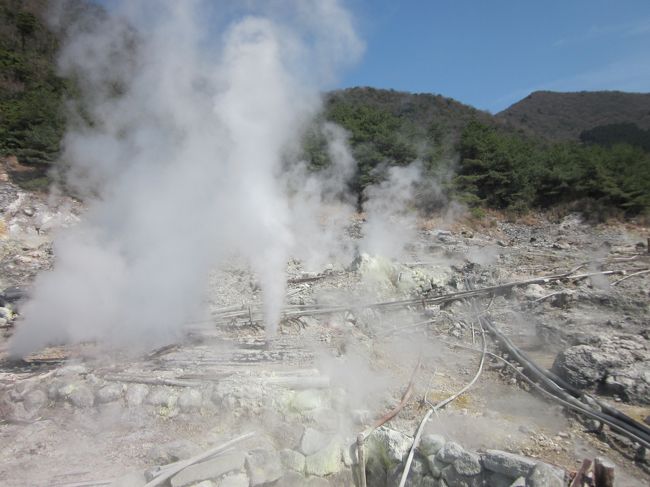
(292, 460)
(388, 446)
(306, 400)
(325, 461)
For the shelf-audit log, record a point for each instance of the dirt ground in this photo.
(222, 378)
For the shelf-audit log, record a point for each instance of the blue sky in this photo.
(492, 53)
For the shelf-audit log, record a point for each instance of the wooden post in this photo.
(578, 480)
(603, 472)
(361, 457)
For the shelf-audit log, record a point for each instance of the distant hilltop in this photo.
(564, 116)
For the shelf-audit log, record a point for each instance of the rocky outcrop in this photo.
(619, 366)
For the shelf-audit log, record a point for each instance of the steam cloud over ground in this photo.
(181, 166)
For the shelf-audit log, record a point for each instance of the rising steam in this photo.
(178, 149)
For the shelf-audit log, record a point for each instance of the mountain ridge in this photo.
(565, 115)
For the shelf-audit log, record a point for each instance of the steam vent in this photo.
(222, 266)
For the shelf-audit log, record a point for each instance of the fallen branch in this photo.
(254, 314)
(645, 271)
(90, 483)
(152, 381)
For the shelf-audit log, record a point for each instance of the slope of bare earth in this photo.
(82, 413)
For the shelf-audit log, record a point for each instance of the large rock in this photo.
(239, 479)
(312, 440)
(263, 466)
(450, 452)
(81, 396)
(468, 464)
(416, 474)
(431, 444)
(388, 447)
(543, 475)
(209, 470)
(109, 393)
(435, 466)
(451, 476)
(325, 461)
(307, 400)
(162, 397)
(35, 400)
(631, 383)
(292, 460)
(587, 365)
(508, 464)
(136, 394)
(294, 479)
(190, 400)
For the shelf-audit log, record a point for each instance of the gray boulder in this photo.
(109, 393)
(209, 470)
(431, 444)
(452, 477)
(239, 479)
(190, 400)
(312, 440)
(263, 466)
(292, 460)
(450, 452)
(136, 394)
(508, 464)
(543, 475)
(587, 365)
(435, 466)
(81, 396)
(35, 400)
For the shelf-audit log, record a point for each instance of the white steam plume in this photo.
(390, 212)
(180, 165)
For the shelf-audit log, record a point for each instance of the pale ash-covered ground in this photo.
(81, 413)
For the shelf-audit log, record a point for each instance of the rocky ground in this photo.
(84, 415)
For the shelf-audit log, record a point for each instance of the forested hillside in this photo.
(585, 150)
(31, 93)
